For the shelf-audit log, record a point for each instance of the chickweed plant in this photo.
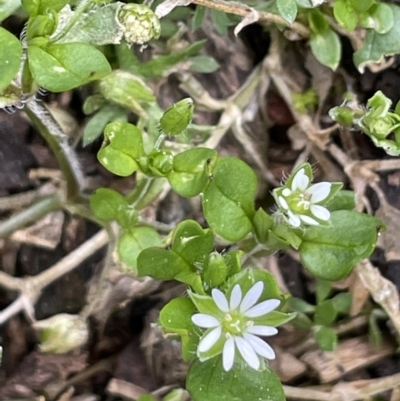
(230, 308)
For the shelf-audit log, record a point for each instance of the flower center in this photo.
(299, 202)
(233, 323)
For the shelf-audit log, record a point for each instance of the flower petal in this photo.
(252, 296)
(260, 346)
(300, 181)
(228, 354)
(236, 297)
(262, 330)
(248, 353)
(263, 308)
(320, 212)
(294, 220)
(220, 300)
(205, 321)
(308, 220)
(283, 202)
(319, 191)
(209, 340)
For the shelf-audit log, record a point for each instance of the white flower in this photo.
(300, 202)
(235, 327)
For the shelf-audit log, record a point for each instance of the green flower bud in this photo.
(62, 333)
(160, 162)
(140, 24)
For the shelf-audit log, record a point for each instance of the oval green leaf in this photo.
(10, 57)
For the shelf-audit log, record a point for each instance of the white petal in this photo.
(252, 296)
(283, 202)
(220, 300)
(236, 297)
(262, 330)
(320, 212)
(319, 191)
(308, 220)
(205, 321)
(300, 181)
(294, 220)
(260, 346)
(210, 339)
(228, 354)
(263, 308)
(286, 192)
(247, 352)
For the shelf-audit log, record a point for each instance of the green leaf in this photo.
(325, 313)
(326, 48)
(361, 5)
(198, 17)
(190, 172)
(35, 7)
(215, 270)
(207, 381)
(220, 21)
(343, 200)
(299, 305)
(10, 57)
(322, 290)
(330, 253)
(379, 17)
(203, 64)
(122, 145)
(107, 204)
(177, 117)
(59, 68)
(160, 65)
(342, 302)
(376, 45)
(228, 200)
(135, 241)
(326, 338)
(345, 14)
(146, 397)
(262, 222)
(287, 9)
(95, 126)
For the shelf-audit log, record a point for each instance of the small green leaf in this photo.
(190, 172)
(228, 200)
(342, 302)
(134, 241)
(59, 68)
(220, 21)
(299, 305)
(207, 381)
(326, 48)
(361, 5)
(122, 145)
(376, 45)
(325, 313)
(326, 338)
(287, 9)
(379, 17)
(146, 397)
(8, 7)
(198, 17)
(203, 64)
(107, 204)
(177, 117)
(10, 57)
(262, 222)
(345, 14)
(343, 200)
(215, 270)
(330, 253)
(322, 290)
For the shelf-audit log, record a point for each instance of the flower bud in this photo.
(140, 24)
(62, 333)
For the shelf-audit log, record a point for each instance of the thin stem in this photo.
(58, 142)
(30, 215)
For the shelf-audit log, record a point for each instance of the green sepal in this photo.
(262, 223)
(177, 117)
(326, 338)
(215, 270)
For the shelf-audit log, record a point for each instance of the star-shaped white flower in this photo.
(234, 325)
(301, 201)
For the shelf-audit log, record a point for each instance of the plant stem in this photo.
(30, 215)
(58, 142)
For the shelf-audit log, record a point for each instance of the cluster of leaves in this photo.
(380, 124)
